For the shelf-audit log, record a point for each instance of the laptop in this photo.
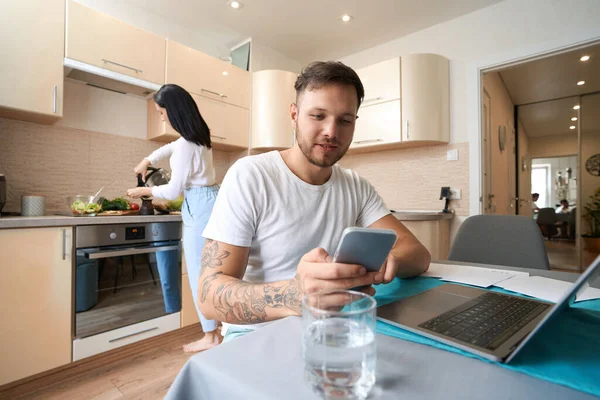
(492, 325)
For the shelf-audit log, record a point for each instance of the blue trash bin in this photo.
(86, 284)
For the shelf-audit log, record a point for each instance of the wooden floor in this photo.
(563, 256)
(145, 370)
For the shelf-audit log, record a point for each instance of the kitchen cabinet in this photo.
(36, 306)
(32, 60)
(377, 124)
(407, 104)
(381, 82)
(425, 98)
(103, 41)
(228, 124)
(272, 93)
(207, 76)
(434, 235)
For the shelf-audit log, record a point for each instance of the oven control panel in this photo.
(135, 233)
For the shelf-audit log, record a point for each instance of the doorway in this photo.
(538, 113)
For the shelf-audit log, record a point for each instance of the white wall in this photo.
(264, 57)
(559, 164)
(505, 32)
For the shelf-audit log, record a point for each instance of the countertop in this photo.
(421, 215)
(68, 220)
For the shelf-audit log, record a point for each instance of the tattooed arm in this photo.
(223, 296)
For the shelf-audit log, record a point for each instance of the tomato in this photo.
(134, 206)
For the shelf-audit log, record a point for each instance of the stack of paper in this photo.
(476, 276)
(545, 288)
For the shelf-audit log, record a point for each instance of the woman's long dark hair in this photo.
(183, 114)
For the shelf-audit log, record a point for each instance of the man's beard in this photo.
(307, 149)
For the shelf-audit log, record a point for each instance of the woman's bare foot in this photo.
(210, 339)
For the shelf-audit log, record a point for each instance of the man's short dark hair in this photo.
(535, 195)
(320, 73)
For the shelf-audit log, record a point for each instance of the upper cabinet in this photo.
(207, 76)
(32, 60)
(381, 82)
(272, 93)
(425, 98)
(407, 103)
(228, 124)
(103, 41)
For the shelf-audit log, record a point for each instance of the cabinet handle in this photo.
(54, 106)
(219, 137)
(221, 95)
(407, 130)
(132, 334)
(121, 65)
(64, 245)
(369, 100)
(368, 141)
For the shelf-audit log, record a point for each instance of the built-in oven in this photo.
(127, 284)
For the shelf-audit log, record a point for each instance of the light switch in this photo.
(454, 194)
(452, 155)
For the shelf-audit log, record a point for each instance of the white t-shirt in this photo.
(191, 166)
(264, 206)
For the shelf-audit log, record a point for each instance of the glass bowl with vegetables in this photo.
(83, 206)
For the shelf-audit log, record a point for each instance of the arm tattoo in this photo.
(236, 301)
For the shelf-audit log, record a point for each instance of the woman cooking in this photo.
(193, 173)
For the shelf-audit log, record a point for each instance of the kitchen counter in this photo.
(68, 220)
(421, 215)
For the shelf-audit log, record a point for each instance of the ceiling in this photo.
(532, 84)
(309, 30)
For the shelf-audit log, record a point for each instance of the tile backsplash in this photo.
(411, 179)
(57, 162)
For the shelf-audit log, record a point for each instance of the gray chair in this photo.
(546, 220)
(509, 240)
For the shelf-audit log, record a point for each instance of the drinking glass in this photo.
(338, 343)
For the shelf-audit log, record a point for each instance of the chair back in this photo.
(511, 240)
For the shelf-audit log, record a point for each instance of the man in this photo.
(280, 215)
(534, 198)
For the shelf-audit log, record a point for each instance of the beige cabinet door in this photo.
(228, 124)
(377, 124)
(381, 81)
(36, 293)
(425, 98)
(189, 315)
(31, 81)
(207, 76)
(103, 41)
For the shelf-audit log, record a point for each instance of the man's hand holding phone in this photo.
(317, 271)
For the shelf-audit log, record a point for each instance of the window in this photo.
(540, 183)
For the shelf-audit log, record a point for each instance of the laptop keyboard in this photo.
(486, 321)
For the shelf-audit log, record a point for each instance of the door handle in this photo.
(219, 137)
(54, 106)
(221, 95)
(407, 130)
(122, 65)
(64, 244)
(368, 141)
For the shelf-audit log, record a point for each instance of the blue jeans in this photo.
(195, 211)
(167, 263)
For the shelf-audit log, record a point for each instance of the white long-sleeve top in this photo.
(191, 166)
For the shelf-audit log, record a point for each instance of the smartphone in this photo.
(365, 246)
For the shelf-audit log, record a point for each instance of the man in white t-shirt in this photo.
(280, 215)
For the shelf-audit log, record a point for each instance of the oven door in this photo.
(118, 286)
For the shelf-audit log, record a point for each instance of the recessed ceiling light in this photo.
(580, 83)
(235, 4)
(225, 73)
(577, 107)
(584, 58)
(346, 18)
(572, 127)
(574, 119)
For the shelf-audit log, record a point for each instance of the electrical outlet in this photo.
(452, 155)
(454, 194)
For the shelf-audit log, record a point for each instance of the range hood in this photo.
(109, 80)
